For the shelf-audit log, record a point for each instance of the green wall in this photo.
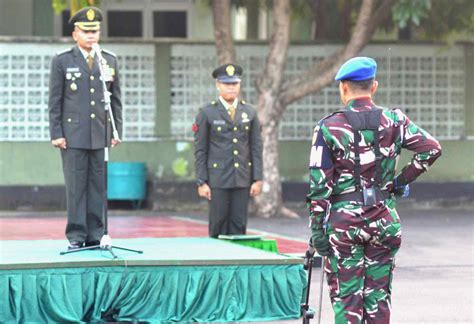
(16, 18)
(201, 21)
(40, 163)
(469, 118)
(455, 164)
(43, 18)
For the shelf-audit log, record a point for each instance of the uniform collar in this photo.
(227, 105)
(360, 102)
(85, 53)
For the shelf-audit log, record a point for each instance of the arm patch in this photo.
(321, 156)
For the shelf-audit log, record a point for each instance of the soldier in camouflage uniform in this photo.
(352, 193)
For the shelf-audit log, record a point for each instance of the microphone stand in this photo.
(306, 311)
(106, 241)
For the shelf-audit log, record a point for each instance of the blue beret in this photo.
(357, 69)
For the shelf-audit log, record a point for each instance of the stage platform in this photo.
(44, 226)
(174, 280)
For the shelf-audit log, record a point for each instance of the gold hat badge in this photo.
(90, 14)
(230, 69)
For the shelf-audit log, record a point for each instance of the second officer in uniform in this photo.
(77, 125)
(228, 154)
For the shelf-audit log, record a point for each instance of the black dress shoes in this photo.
(92, 243)
(74, 245)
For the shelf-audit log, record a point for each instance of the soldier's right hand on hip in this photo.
(400, 189)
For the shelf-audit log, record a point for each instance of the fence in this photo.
(24, 78)
(427, 81)
(424, 80)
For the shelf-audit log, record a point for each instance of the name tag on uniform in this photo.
(218, 122)
(72, 69)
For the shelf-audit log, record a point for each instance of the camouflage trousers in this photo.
(364, 241)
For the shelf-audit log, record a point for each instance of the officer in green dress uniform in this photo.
(228, 154)
(77, 125)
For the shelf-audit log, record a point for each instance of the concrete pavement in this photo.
(434, 276)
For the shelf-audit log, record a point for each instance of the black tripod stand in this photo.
(306, 311)
(106, 241)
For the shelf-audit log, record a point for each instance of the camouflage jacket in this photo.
(332, 155)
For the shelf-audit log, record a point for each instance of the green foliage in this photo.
(429, 19)
(61, 5)
(406, 12)
(447, 17)
(180, 167)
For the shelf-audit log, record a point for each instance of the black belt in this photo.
(359, 197)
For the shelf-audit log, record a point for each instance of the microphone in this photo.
(107, 94)
(96, 47)
(98, 51)
(308, 257)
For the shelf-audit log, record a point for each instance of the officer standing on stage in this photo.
(353, 186)
(228, 154)
(77, 125)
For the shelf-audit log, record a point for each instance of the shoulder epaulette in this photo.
(64, 51)
(333, 114)
(329, 116)
(109, 52)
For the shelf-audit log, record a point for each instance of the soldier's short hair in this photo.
(360, 85)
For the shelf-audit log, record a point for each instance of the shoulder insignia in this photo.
(243, 102)
(109, 52)
(64, 51)
(333, 114)
(321, 121)
(213, 102)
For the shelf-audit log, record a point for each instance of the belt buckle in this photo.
(369, 195)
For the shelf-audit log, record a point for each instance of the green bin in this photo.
(126, 181)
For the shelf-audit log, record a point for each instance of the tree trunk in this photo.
(269, 202)
(345, 31)
(274, 94)
(223, 31)
(322, 73)
(320, 16)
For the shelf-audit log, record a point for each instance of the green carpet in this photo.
(157, 251)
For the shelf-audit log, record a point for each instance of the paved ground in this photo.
(434, 278)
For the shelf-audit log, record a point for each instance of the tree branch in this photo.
(268, 85)
(222, 31)
(288, 213)
(322, 73)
